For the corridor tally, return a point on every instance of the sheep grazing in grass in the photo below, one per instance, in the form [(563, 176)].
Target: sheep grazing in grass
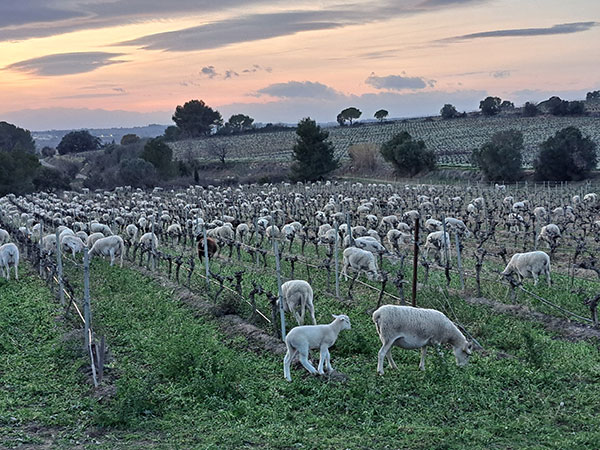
[(49, 243), (457, 226), (149, 239), (301, 339), (211, 246), (413, 328), (131, 231), (370, 244), (297, 294), (529, 264), (92, 238), (436, 241), (72, 243), (9, 254), (109, 246), (4, 237), (101, 228), (360, 260), (550, 234)]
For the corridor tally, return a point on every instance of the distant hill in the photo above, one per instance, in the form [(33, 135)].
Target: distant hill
[(453, 140), (52, 138)]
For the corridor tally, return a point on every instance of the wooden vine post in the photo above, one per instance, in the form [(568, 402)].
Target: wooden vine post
[(278, 269), (415, 263)]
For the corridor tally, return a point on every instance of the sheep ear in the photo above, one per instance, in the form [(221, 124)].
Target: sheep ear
[(334, 316)]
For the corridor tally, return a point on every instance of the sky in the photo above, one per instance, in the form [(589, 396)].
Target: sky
[(68, 64)]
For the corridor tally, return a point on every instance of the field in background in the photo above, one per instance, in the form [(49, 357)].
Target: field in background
[(453, 140)]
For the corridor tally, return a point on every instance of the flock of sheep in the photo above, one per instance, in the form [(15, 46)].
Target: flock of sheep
[(369, 221)]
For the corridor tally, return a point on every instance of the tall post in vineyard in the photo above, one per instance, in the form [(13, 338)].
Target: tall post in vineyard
[(205, 242), (415, 263), (87, 313), (59, 268), (280, 294), (41, 249), (335, 251)]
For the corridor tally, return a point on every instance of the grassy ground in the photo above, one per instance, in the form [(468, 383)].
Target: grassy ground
[(178, 383)]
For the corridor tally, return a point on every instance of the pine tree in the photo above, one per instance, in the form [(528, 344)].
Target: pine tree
[(313, 153)]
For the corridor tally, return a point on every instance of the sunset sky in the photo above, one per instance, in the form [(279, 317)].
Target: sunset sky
[(109, 63)]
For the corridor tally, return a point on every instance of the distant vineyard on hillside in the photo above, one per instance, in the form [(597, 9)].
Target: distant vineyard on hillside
[(452, 140)]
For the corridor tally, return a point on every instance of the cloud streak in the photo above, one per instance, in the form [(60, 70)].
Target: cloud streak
[(563, 28), (300, 89), (398, 82), (65, 63)]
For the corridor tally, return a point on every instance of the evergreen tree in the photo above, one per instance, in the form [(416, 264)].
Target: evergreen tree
[(408, 156), (566, 156), (160, 155), (313, 153), (501, 158)]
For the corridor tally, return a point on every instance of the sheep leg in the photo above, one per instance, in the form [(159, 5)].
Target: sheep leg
[(383, 351), (305, 362), (299, 319), (16, 271), (324, 354), (391, 361), (287, 360), (535, 278), (312, 313), (328, 362), (112, 256), (423, 352)]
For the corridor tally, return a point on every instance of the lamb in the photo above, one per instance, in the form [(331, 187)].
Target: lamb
[(9, 254), (49, 243), (360, 260), (549, 234), (302, 338), (111, 245), (298, 293), (530, 263), (241, 231), (412, 328), (433, 225), (397, 238), (458, 226)]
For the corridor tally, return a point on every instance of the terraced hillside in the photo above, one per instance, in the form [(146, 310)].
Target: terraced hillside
[(452, 140)]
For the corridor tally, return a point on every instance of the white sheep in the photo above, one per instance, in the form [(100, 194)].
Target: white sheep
[(529, 264), (436, 241), (302, 338), (4, 237), (109, 246), (49, 243), (92, 238), (131, 231), (297, 294), (9, 254), (457, 226), (370, 244), (397, 238), (101, 228), (149, 239), (413, 328), (73, 243), (433, 225), (360, 260), (549, 234)]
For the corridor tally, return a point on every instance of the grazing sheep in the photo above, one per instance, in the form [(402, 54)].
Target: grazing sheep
[(591, 198), (73, 243), (131, 231), (92, 238), (241, 231), (370, 244), (397, 238), (301, 339), (211, 247), (412, 328), (49, 243), (433, 225), (298, 294), (436, 241), (458, 226), (4, 237), (550, 234), (82, 235), (101, 228), (529, 264), (149, 239), (9, 254), (108, 246), (174, 230), (360, 260)]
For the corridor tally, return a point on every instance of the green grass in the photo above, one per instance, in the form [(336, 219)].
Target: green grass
[(181, 384)]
